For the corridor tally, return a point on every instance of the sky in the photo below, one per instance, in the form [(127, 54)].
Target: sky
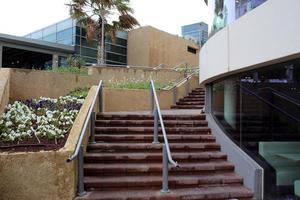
[(24, 16)]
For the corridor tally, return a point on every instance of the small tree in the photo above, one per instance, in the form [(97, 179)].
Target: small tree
[(94, 13)]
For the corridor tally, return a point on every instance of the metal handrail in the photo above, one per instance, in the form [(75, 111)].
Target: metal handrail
[(282, 95), (162, 124), (269, 103), (185, 63), (167, 156), (185, 79), (79, 150)]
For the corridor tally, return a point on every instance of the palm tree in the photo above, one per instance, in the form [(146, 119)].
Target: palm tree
[(94, 14)]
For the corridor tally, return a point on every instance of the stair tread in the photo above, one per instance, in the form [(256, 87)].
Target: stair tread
[(201, 193), (225, 177), (137, 156), (148, 146), (144, 167)]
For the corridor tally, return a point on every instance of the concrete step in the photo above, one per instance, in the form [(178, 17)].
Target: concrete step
[(148, 147), (109, 138), (148, 117), (147, 123), (191, 99), (187, 107), (154, 181), (152, 157), (199, 193), (135, 169), (169, 130), (200, 103)]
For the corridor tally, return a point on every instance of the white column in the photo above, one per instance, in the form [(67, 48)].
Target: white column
[(230, 101), (54, 61), (1, 53)]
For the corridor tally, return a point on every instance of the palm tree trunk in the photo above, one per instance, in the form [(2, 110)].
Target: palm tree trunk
[(101, 45)]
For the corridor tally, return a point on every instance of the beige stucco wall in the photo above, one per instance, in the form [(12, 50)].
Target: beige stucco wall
[(253, 41), (4, 88), (55, 84), (137, 73), (148, 46), (43, 175)]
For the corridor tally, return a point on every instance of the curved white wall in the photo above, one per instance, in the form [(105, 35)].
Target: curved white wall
[(270, 33)]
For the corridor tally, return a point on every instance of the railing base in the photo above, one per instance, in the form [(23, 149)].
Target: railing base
[(82, 194), (155, 142), (164, 191), (92, 142)]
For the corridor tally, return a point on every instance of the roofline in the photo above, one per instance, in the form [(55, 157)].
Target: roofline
[(36, 43)]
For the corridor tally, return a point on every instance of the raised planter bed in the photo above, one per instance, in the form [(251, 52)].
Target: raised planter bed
[(38, 124)]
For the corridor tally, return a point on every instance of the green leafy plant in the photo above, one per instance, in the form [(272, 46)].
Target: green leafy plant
[(80, 92), (73, 61), (71, 70)]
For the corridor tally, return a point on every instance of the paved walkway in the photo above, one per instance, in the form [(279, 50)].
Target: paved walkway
[(164, 112)]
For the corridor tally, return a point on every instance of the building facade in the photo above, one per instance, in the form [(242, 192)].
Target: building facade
[(197, 32), (251, 71), (69, 32), (224, 12), (148, 46)]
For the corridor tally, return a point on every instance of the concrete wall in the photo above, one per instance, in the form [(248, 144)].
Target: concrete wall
[(138, 73), (148, 46), (43, 175), (4, 88), (50, 84), (266, 35), (245, 166)]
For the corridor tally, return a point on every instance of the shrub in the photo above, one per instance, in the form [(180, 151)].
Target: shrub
[(80, 92)]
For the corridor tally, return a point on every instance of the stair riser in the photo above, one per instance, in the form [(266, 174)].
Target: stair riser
[(150, 130), (151, 133), (149, 117), (195, 103), (153, 172), (156, 185), (192, 100), (149, 124), (124, 150), (186, 107), (149, 138)]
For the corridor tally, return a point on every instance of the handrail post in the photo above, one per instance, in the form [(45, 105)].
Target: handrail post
[(155, 130), (151, 99), (165, 171), (174, 95), (92, 121), (80, 186), (187, 87), (101, 99)]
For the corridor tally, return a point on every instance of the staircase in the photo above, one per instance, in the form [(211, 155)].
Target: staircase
[(124, 164), (195, 100)]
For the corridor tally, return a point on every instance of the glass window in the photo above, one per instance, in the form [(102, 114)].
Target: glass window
[(260, 110), (88, 52), (37, 35), (116, 49), (50, 38), (115, 57), (68, 41), (49, 30), (65, 25), (65, 34)]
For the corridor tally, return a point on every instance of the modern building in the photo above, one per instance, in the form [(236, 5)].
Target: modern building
[(70, 32), (251, 72), (148, 46), (197, 32), (20, 52)]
